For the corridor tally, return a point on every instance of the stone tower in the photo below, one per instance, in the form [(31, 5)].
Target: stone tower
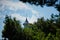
[(26, 23)]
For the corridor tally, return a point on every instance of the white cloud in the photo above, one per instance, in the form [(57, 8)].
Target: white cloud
[(22, 18), (13, 5), (18, 16), (17, 5), (33, 19)]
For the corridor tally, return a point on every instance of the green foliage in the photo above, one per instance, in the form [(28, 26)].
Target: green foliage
[(11, 28), (58, 7), (41, 2), (41, 30)]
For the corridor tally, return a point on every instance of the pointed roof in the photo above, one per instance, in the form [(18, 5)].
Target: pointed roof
[(26, 22)]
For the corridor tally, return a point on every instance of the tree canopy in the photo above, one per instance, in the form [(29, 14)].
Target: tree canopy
[(41, 30), (41, 2)]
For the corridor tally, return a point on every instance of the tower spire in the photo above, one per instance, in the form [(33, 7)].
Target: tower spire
[(26, 22)]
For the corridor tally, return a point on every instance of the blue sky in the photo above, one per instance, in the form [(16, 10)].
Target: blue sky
[(21, 10)]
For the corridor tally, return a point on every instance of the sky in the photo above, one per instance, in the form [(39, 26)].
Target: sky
[(20, 10)]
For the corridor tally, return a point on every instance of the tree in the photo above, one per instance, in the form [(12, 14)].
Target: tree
[(41, 2), (58, 7), (12, 27)]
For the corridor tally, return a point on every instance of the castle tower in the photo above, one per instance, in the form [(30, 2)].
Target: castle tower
[(26, 23)]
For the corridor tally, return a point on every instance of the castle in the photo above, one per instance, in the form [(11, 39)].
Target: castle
[(26, 23)]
